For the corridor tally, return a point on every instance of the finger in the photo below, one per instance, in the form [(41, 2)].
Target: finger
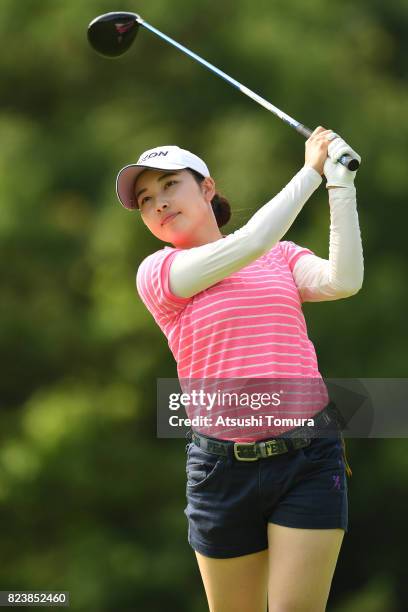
[(336, 150), (326, 136), (340, 144), (318, 130), (332, 136), (323, 135), (340, 149), (335, 144)]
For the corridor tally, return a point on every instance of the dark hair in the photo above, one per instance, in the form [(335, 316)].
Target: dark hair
[(220, 205)]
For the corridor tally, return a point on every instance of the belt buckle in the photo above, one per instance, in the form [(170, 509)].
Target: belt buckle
[(244, 458)]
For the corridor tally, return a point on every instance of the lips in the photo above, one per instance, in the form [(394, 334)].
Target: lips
[(169, 218)]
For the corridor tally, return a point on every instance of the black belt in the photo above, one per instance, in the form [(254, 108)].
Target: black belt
[(294, 439)]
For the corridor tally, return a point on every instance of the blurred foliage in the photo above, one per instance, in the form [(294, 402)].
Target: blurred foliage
[(90, 500)]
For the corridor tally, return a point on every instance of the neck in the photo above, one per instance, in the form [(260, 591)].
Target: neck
[(204, 236)]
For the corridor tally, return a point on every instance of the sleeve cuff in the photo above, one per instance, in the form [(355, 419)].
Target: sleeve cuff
[(342, 193), (313, 174)]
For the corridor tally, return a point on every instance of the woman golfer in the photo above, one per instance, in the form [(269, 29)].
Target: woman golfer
[(266, 513)]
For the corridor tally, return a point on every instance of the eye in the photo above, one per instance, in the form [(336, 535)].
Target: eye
[(170, 183), (144, 200)]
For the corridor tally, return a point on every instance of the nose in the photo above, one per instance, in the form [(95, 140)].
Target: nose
[(161, 204)]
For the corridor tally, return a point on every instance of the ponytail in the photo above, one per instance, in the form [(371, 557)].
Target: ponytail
[(220, 205)]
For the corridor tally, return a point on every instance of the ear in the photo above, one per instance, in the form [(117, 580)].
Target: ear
[(208, 188)]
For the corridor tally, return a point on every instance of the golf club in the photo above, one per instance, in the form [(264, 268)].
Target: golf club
[(112, 34)]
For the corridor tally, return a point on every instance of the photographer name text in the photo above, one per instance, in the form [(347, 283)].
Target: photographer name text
[(251, 421)]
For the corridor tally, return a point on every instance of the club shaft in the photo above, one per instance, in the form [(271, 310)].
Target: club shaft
[(346, 160), (248, 92)]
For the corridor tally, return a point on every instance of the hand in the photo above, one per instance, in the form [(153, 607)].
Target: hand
[(338, 175), (316, 148)]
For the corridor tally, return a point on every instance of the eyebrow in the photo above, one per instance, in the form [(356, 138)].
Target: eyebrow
[(163, 176)]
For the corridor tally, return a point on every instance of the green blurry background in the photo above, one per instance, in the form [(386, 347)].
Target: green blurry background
[(85, 505)]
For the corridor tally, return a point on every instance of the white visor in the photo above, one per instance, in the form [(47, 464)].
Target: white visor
[(162, 158)]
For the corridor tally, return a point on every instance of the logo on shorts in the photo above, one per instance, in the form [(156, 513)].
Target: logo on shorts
[(336, 481)]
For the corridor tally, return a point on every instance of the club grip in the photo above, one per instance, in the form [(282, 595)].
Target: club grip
[(349, 162)]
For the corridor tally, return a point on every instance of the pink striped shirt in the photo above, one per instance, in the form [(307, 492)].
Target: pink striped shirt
[(249, 325)]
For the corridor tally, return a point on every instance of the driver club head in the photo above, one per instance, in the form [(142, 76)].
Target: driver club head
[(112, 34)]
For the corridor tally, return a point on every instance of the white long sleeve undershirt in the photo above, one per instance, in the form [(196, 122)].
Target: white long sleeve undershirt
[(198, 268), (342, 274)]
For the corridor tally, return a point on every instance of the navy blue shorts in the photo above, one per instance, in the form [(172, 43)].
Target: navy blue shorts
[(231, 502)]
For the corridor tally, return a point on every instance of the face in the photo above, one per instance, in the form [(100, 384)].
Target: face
[(175, 208)]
